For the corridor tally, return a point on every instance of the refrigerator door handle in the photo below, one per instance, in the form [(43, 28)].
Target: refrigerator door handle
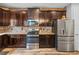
[(76, 34), (63, 31)]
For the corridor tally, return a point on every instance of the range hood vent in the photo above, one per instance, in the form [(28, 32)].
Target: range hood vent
[(33, 13)]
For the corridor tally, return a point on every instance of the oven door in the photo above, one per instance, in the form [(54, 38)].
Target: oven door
[(32, 42), (32, 39)]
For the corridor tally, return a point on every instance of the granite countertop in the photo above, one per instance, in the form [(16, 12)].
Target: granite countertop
[(12, 33), (2, 34), (20, 31), (43, 33)]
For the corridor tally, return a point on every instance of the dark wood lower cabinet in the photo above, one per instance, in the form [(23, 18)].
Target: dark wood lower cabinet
[(1, 44), (0, 41), (17, 41), (46, 41), (4, 41), (12, 41)]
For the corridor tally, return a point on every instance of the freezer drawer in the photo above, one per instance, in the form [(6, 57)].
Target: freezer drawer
[(66, 39), (65, 44)]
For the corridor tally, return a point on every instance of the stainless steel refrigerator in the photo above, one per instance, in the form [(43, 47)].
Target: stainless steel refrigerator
[(65, 35)]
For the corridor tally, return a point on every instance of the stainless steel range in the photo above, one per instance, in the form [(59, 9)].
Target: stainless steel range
[(32, 37)]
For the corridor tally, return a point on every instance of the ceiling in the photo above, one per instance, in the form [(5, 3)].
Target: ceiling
[(34, 5)]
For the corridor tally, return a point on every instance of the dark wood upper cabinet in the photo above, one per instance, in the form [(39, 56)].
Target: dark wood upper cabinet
[(4, 17), (1, 17), (60, 14), (47, 19), (51, 16), (21, 17)]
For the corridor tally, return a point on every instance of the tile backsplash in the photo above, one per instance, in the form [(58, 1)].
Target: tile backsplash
[(4, 29), (45, 29), (16, 29)]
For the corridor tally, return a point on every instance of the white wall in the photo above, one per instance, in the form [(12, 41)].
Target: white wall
[(73, 14)]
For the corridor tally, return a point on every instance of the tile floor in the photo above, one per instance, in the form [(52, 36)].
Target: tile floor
[(40, 51)]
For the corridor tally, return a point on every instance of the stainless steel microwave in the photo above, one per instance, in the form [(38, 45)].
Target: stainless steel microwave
[(31, 22)]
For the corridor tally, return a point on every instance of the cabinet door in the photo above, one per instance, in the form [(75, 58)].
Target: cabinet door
[(5, 18), (5, 40), (1, 17), (17, 41), (46, 41), (20, 17), (42, 41), (0, 42)]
